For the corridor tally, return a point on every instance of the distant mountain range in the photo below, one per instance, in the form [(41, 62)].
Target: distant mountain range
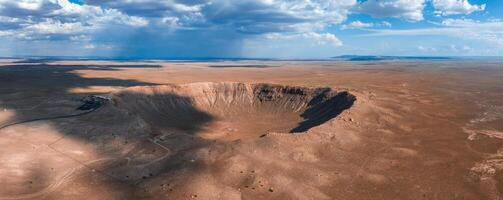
[(378, 58)]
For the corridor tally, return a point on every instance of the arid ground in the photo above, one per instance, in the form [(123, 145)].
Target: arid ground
[(251, 130)]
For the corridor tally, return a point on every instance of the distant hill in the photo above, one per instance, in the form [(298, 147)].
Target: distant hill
[(378, 58)]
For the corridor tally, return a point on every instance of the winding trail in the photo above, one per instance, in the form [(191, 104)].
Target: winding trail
[(48, 118)]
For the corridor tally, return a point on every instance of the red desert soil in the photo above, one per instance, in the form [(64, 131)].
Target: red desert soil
[(251, 130)]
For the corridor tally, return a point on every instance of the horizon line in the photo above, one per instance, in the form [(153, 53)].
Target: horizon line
[(344, 57)]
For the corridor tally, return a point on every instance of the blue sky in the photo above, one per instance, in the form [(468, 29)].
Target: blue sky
[(250, 28)]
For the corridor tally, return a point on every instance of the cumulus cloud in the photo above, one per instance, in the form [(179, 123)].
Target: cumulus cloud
[(453, 7), (151, 8), (246, 16), (51, 26), (357, 25), (5, 33), (49, 19), (411, 10), (362, 25), (172, 24)]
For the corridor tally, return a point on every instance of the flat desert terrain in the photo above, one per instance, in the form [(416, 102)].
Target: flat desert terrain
[(251, 130)]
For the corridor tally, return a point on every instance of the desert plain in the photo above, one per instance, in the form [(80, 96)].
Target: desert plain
[(251, 130)]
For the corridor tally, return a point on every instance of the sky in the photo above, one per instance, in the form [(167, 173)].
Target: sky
[(301, 29)]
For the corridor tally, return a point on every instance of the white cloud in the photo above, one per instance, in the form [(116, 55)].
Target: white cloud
[(488, 31), (96, 15), (246, 16), (311, 37), (323, 38), (216, 21), (459, 22), (328, 11), (357, 25), (386, 24), (43, 19), (411, 10), (9, 19), (30, 5), (5, 33), (292, 45), (453, 7), (363, 25), (54, 27)]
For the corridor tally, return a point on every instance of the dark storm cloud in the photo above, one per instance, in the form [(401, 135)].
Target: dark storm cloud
[(246, 16)]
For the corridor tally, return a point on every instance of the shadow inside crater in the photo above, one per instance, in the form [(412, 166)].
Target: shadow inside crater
[(164, 111), (321, 111)]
